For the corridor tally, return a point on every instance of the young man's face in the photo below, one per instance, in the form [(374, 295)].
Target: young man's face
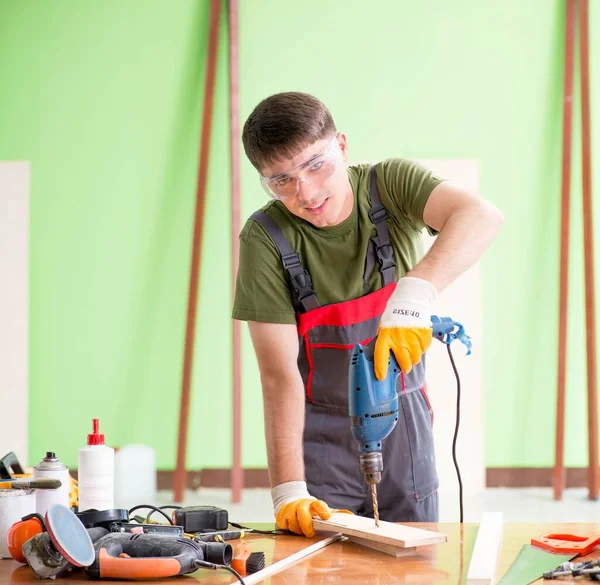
[(314, 184)]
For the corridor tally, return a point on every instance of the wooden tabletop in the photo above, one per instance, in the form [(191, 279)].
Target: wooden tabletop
[(349, 563)]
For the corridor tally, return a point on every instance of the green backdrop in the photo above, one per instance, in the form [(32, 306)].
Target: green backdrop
[(105, 100)]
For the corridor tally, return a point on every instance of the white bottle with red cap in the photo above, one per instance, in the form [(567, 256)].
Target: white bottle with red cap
[(96, 473)]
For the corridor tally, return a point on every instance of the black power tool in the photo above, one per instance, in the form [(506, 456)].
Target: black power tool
[(151, 556)]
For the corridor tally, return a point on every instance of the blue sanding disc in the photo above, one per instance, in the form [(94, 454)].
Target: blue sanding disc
[(69, 536)]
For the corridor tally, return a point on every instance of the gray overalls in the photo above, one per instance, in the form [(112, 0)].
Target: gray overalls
[(408, 488)]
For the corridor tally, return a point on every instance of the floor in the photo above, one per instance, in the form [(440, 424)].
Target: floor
[(517, 505)]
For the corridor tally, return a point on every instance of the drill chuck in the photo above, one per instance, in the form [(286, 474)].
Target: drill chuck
[(371, 464)]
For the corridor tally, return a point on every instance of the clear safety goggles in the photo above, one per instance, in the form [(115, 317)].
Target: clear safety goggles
[(314, 171)]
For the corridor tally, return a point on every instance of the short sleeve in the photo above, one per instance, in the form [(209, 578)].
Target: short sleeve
[(408, 186), (262, 291)]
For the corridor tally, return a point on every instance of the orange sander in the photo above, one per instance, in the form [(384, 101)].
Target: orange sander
[(64, 546)]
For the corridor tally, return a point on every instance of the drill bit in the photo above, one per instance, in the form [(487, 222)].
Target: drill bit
[(375, 503)]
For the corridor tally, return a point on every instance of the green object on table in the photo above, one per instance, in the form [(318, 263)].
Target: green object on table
[(531, 563)]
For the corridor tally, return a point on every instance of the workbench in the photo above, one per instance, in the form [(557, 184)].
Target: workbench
[(348, 563)]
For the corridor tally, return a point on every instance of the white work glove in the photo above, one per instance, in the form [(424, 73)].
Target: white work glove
[(295, 507), (405, 326)]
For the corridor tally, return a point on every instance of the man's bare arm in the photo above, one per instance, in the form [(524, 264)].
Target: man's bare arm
[(467, 225), (276, 347)]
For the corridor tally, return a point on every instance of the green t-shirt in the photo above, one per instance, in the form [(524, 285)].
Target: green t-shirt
[(334, 256)]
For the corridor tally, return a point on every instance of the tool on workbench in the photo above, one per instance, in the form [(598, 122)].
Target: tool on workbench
[(163, 529), (218, 535), (590, 569), (567, 543), (373, 404), (26, 483), (103, 518), (68, 545), (118, 520), (65, 546), (545, 554), (246, 562), (10, 466), (150, 556), (258, 530), (198, 518), (209, 520)]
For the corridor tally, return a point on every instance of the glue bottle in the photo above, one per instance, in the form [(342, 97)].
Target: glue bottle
[(96, 472)]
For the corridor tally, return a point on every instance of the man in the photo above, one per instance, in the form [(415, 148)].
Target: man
[(334, 260)]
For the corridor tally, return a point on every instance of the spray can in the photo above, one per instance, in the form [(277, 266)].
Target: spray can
[(96, 470), (52, 466)]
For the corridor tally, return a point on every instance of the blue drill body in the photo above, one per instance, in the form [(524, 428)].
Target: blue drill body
[(373, 404)]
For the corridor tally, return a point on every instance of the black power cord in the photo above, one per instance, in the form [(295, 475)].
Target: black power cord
[(214, 567), (161, 508), (460, 485), (153, 508)]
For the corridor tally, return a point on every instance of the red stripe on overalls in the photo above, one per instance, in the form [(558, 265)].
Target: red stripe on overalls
[(346, 313), (426, 396), (341, 315)]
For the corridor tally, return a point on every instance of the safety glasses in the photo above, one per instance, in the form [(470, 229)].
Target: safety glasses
[(314, 171)]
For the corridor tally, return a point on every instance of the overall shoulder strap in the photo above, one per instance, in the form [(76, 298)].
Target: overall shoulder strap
[(304, 296), (379, 215)]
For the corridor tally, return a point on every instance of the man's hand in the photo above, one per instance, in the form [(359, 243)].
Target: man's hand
[(295, 508), (405, 326)]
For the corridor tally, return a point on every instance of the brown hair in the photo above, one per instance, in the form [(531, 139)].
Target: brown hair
[(282, 125)]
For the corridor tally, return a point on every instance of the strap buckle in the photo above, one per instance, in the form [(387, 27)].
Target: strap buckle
[(291, 260), (385, 255), (302, 285), (378, 215)]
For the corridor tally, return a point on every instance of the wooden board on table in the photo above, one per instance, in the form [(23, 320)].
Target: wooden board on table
[(398, 535), (482, 568), (388, 549)]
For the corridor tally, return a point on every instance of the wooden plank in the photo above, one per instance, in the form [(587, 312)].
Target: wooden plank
[(288, 561), (196, 254), (565, 231), (588, 250), (395, 551), (237, 472), (398, 535), (482, 568)]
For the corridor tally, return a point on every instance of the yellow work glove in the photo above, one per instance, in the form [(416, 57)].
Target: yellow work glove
[(295, 508), (405, 326), (297, 516)]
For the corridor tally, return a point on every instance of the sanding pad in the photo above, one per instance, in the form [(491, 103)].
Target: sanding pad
[(69, 536)]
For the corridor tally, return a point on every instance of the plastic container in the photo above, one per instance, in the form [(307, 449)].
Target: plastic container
[(135, 476), (96, 473), (14, 504), (52, 466)]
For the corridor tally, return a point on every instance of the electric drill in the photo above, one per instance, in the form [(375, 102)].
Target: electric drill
[(373, 404)]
